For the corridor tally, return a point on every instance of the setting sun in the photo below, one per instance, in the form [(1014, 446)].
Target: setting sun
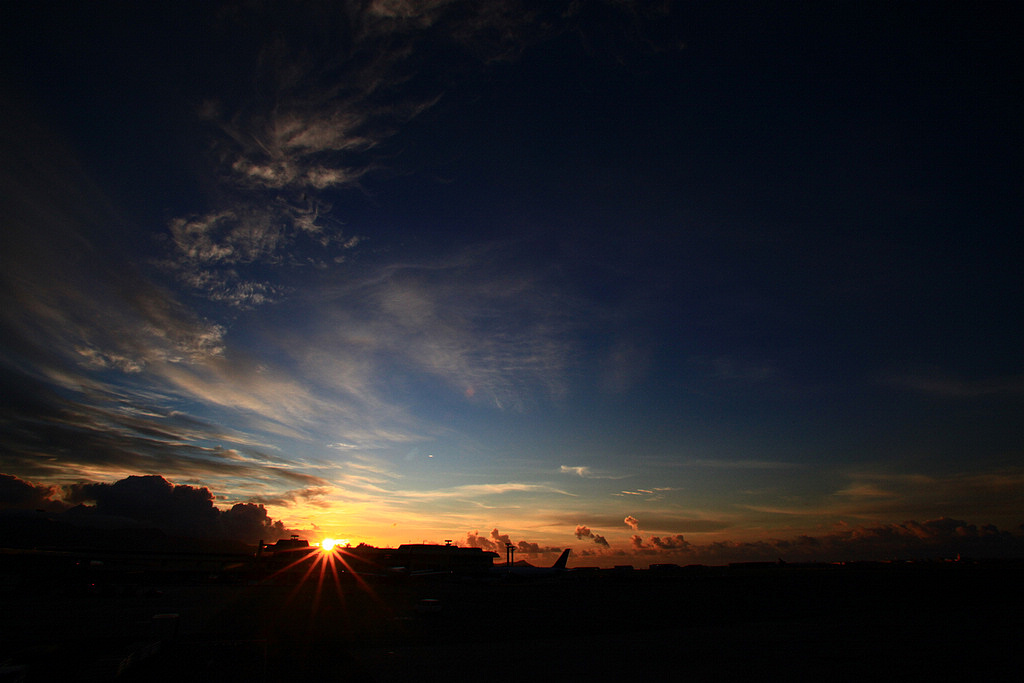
[(330, 543)]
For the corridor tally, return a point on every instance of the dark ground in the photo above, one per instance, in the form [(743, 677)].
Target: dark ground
[(927, 621)]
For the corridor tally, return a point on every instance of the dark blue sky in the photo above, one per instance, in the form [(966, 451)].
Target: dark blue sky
[(411, 270)]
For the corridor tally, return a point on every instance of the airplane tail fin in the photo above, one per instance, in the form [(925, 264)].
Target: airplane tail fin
[(562, 559)]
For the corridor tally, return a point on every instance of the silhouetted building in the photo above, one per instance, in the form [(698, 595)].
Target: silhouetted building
[(422, 557), (287, 545)]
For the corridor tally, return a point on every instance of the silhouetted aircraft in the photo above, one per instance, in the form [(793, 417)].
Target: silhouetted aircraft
[(527, 571)]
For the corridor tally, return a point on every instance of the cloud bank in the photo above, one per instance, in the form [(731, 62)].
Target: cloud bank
[(939, 538), (497, 542), (144, 502)]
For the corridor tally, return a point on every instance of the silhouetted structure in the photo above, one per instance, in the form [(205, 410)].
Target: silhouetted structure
[(422, 557), (286, 545)]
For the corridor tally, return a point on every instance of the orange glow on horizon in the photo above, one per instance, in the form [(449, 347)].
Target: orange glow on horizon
[(329, 544), (320, 565)]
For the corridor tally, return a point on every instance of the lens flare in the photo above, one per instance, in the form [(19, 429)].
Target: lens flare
[(328, 544)]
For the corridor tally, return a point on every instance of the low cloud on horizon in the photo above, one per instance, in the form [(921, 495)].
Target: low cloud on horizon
[(144, 501), (153, 501)]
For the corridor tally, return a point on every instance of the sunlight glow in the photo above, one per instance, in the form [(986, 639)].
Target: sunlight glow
[(329, 544), (328, 564)]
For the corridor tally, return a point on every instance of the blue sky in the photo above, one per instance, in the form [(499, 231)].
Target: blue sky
[(584, 275)]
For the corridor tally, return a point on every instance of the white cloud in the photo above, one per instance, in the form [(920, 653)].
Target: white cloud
[(586, 472), (478, 490)]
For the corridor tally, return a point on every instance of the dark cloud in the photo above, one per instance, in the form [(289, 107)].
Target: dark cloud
[(249, 522), (676, 542), (500, 539), (475, 540), (938, 538), (497, 541), (174, 508), (17, 494), (151, 499), (583, 531), (312, 494)]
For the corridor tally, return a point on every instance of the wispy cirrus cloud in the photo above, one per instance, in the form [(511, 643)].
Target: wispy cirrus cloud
[(585, 472), (470, 491), (333, 86), (102, 434), (469, 324), (90, 342), (77, 301), (314, 495), (582, 471), (654, 493)]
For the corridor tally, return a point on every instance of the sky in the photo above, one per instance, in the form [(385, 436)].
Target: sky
[(657, 281)]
